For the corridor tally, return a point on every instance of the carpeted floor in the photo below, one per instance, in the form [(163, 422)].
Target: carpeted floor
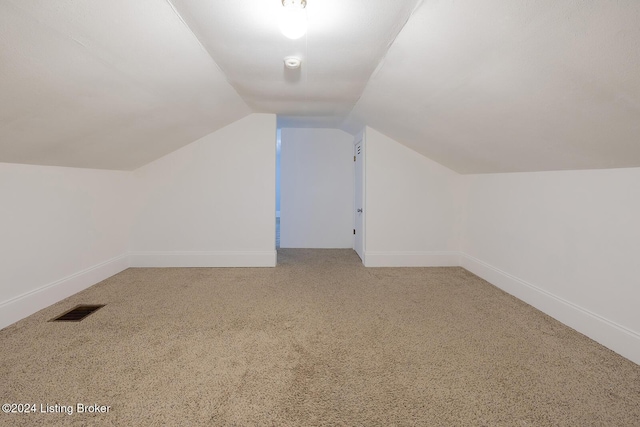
[(317, 341)]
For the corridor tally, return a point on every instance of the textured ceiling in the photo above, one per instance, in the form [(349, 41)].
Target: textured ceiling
[(491, 86)]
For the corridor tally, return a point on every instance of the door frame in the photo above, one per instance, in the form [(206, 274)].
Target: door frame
[(360, 138)]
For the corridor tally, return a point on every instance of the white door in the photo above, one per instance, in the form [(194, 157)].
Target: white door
[(316, 180), (358, 242)]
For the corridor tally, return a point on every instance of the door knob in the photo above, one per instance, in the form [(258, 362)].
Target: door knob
[(359, 210)]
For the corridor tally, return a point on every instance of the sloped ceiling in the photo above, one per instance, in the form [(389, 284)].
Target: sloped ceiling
[(104, 84), (507, 86), (490, 86)]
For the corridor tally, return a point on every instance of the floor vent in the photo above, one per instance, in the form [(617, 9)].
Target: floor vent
[(77, 313)]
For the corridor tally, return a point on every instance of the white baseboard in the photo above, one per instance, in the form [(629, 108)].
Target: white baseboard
[(606, 332), (412, 259), (28, 303), (203, 259)]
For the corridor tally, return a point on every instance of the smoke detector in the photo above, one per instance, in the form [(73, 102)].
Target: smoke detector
[(292, 62)]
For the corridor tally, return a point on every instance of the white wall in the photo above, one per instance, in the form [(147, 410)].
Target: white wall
[(212, 202), (62, 230), (566, 242), (316, 206), (411, 206)]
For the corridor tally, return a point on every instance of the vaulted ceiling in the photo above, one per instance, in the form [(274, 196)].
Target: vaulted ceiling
[(490, 86)]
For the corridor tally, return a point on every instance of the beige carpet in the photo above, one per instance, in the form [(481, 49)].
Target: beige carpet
[(318, 341)]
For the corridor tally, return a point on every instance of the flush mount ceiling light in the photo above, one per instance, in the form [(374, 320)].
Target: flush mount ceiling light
[(293, 21), (292, 62)]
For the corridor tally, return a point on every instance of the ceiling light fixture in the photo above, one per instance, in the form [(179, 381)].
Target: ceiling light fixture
[(293, 22)]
